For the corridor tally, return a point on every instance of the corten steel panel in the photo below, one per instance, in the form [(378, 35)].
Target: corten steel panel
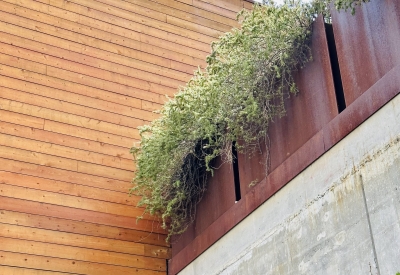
[(249, 202), (178, 242), (306, 113), (218, 198), (365, 105), (373, 99), (367, 44), (252, 167)]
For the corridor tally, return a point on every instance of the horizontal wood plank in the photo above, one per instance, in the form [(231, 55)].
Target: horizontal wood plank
[(63, 151), (193, 26), (113, 16), (140, 109), (80, 254), (105, 53), (123, 87), (12, 270), (56, 104), (233, 5), (80, 33), (214, 9), (127, 28), (21, 119), (30, 131), (30, 156), (61, 212), (139, 15), (69, 119), (96, 205), (191, 8), (16, 61), (70, 239), (37, 158), (88, 55), (76, 190), (46, 55), (82, 228), (178, 10), (89, 134), (121, 95), (192, 23), (107, 172), (70, 266), (47, 172)]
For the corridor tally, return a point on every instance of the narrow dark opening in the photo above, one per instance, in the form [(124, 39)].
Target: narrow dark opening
[(236, 172), (337, 78)]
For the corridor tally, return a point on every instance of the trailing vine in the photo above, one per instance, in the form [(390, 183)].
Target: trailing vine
[(249, 74)]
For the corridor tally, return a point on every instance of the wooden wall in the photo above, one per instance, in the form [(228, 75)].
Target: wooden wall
[(76, 79)]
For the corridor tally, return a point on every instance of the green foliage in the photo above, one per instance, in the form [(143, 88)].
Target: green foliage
[(349, 4), (249, 74)]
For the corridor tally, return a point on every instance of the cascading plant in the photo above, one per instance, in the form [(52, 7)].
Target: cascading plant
[(249, 74)]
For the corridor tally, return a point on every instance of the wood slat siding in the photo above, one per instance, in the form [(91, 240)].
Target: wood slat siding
[(76, 80)]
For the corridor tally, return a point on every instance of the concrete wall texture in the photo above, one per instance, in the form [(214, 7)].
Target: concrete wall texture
[(341, 215)]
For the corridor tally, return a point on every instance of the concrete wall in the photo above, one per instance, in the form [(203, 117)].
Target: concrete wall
[(339, 216)]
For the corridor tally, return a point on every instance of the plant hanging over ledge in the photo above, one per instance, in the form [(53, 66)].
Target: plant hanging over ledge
[(241, 91)]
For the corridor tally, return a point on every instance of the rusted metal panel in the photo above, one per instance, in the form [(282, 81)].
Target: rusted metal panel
[(365, 105), (218, 198), (312, 108), (249, 202), (307, 112), (378, 95), (367, 44), (252, 167), (311, 126), (178, 242)]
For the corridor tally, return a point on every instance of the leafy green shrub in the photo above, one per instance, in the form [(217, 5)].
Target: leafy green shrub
[(249, 74), (349, 4)]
